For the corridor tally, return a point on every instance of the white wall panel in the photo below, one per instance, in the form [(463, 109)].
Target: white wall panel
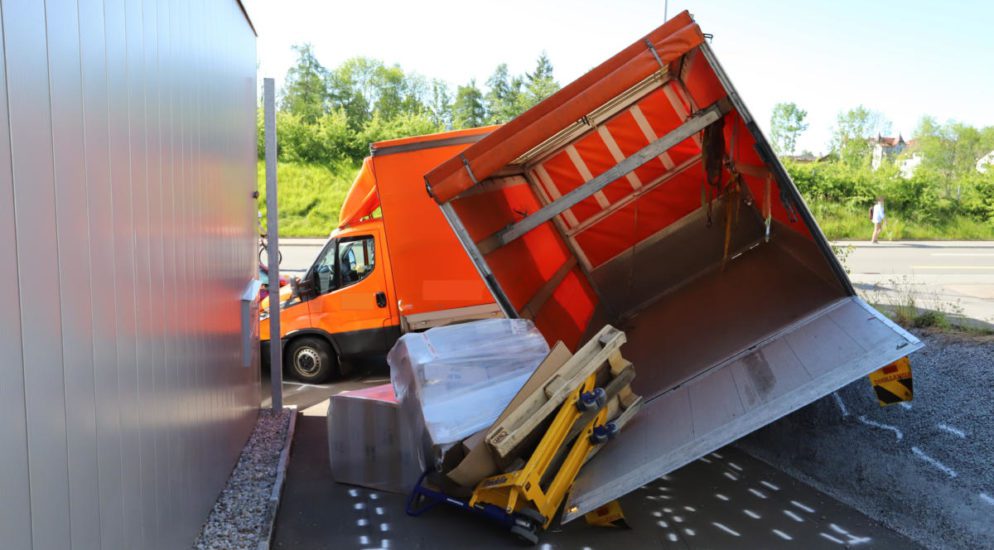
[(127, 219)]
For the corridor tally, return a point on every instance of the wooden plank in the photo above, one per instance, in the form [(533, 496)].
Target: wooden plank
[(689, 128), (505, 435)]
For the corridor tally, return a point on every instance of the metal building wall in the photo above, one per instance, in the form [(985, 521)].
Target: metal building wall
[(127, 230)]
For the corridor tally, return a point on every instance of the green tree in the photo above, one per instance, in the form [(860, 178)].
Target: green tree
[(852, 131), (304, 91), (786, 125), (503, 99), (440, 105), (468, 110), (351, 87), (539, 84)]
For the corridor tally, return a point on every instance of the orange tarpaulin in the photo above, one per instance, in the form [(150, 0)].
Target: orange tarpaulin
[(362, 199)]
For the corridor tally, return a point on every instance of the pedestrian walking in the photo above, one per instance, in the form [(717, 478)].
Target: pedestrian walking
[(877, 217)]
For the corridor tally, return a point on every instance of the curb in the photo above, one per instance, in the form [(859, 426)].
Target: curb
[(269, 525)]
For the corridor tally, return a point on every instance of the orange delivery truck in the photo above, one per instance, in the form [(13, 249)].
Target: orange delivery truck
[(391, 265)]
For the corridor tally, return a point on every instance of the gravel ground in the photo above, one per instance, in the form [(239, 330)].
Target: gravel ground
[(240, 515), (926, 468)]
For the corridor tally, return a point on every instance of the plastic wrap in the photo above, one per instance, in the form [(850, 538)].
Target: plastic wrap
[(454, 381)]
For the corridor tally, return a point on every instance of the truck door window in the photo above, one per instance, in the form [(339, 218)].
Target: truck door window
[(324, 270), (356, 260)]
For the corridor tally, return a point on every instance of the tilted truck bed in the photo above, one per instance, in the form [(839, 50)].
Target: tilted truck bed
[(644, 195)]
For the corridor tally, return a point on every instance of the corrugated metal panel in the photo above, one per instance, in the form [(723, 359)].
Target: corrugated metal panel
[(127, 219), (15, 513)]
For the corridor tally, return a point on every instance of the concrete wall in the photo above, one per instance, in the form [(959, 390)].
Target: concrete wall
[(127, 163)]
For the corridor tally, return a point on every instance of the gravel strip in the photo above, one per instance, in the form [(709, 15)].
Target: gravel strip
[(925, 468), (241, 514)]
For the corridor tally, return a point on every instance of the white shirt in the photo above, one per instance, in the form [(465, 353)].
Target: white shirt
[(878, 213)]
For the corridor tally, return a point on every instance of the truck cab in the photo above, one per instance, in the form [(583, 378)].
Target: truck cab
[(392, 265)]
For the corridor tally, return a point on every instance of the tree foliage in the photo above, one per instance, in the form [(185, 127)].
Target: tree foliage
[(786, 125), (332, 115), (853, 129)]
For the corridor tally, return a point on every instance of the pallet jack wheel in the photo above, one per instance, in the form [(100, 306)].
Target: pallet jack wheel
[(535, 516)]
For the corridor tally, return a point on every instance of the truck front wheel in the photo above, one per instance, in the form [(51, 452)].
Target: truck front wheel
[(310, 359)]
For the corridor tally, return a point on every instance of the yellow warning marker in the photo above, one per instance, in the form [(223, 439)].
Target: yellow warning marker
[(609, 515), (893, 383)]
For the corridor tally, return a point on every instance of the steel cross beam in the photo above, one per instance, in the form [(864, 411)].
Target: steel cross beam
[(694, 124)]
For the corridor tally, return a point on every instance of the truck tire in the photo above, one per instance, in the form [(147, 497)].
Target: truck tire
[(310, 359)]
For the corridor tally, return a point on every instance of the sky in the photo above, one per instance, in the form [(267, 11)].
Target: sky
[(903, 59)]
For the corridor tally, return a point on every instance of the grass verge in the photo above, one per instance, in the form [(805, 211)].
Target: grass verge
[(310, 196), (844, 222)]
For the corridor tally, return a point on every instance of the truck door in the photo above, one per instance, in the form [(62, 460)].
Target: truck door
[(352, 295)]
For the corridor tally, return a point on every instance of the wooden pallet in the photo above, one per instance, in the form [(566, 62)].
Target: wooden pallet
[(505, 437)]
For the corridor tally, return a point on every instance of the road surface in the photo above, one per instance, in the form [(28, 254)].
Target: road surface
[(955, 277)]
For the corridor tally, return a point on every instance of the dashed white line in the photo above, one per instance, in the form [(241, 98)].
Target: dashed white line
[(888, 427), (987, 498), (353, 493), (658, 514), (384, 527), (731, 476), (716, 455), (807, 509), (735, 466), (842, 405), (678, 519), (379, 510), (757, 492), (689, 532), (363, 540), (720, 496), (751, 514), (690, 508), (793, 516), (938, 465), (662, 524), (769, 485), (672, 537), (359, 505), (953, 430), (704, 460), (831, 538), (362, 522), (726, 529), (782, 535)]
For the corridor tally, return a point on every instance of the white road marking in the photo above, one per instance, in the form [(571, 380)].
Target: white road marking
[(374, 496), (726, 529), (678, 519), (751, 514), (888, 427), (842, 405), (362, 522), (704, 460), (353, 493), (665, 497), (363, 540), (662, 524), (379, 511), (689, 532), (668, 510), (546, 546), (690, 508), (987, 498), (735, 466), (658, 514), (905, 405), (731, 476), (793, 516), (720, 496), (769, 485), (940, 466), (850, 538), (976, 267), (672, 537), (807, 509), (757, 492), (384, 527), (953, 430), (782, 535), (359, 505), (716, 455), (962, 254), (831, 538)]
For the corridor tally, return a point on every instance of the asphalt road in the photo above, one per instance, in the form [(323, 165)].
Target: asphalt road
[(924, 467), (724, 500), (952, 276)]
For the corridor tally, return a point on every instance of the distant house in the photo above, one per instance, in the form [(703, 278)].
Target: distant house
[(886, 147), (985, 162), (803, 158)]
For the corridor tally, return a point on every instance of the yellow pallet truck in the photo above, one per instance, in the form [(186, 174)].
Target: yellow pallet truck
[(526, 499)]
